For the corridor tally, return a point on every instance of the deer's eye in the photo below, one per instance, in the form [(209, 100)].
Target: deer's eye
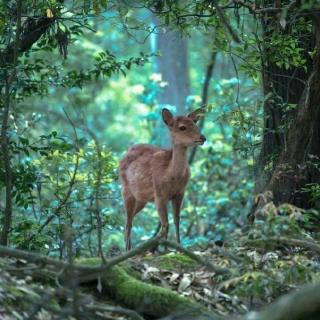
[(182, 128)]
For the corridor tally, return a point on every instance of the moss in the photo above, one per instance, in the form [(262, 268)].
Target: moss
[(135, 294), (93, 262), (173, 261)]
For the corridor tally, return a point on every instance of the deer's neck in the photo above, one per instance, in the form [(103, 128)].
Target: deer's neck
[(179, 161)]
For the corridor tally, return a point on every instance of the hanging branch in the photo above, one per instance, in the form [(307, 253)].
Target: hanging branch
[(225, 21), (205, 96)]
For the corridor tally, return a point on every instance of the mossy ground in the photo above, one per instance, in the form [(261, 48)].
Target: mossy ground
[(135, 294), (172, 261)]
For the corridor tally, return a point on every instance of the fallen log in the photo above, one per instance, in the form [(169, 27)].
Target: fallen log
[(145, 298), (301, 304)]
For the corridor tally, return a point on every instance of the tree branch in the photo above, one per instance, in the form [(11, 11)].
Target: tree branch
[(32, 30), (224, 21), (300, 304), (205, 97)]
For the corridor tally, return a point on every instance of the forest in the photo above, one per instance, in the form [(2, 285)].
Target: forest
[(160, 159)]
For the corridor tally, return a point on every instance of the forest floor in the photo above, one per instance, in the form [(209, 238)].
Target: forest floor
[(252, 270)]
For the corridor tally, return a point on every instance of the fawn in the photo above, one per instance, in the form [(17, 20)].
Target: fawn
[(152, 174)]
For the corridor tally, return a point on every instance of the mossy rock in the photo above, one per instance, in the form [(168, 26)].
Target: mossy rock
[(146, 298), (172, 261)]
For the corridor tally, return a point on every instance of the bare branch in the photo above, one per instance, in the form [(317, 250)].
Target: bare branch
[(225, 22)]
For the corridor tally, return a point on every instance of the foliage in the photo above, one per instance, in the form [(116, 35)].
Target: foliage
[(88, 87), (64, 164), (219, 193)]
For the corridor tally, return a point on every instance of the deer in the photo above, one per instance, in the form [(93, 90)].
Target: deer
[(152, 174)]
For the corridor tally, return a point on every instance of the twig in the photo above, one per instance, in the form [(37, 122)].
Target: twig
[(72, 182), (97, 209)]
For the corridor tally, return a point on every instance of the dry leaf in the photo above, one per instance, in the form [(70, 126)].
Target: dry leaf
[(174, 277), (185, 282), (49, 13), (149, 271), (207, 292)]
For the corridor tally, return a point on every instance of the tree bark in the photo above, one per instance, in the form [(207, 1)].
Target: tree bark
[(289, 151), (174, 66), (5, 150), (281, 87), (6, 158), (31, 32), (297, 305), (294, 168), (26, 35)]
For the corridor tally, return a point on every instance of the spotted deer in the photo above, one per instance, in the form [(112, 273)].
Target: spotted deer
[(152, 174)]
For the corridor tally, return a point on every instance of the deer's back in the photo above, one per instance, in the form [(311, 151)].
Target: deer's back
[(146, 167), (137, 169)]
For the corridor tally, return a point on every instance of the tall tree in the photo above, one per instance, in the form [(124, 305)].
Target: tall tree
[(283, 85), (291, 138), (298, 160), (174, 67)]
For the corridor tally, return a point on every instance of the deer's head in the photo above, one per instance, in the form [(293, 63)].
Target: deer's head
[(183, 129)]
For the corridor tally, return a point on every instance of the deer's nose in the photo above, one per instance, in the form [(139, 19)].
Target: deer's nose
[(203, 138)]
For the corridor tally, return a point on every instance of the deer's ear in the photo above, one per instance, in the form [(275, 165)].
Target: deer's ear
[(195, 115), (167, 117)]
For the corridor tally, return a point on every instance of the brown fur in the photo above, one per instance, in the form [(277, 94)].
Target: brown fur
[(152, 174)]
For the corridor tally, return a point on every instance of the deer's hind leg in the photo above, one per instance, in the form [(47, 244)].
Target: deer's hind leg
[(132, 207)]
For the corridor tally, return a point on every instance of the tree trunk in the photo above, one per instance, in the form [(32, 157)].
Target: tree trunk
[(280, 87), (295, 167), (26, 35), (288, 148), (5, 149), (6, 159), (173, 65)]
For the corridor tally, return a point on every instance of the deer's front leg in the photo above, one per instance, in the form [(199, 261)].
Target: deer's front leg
[(162, 208), (176, 205)]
